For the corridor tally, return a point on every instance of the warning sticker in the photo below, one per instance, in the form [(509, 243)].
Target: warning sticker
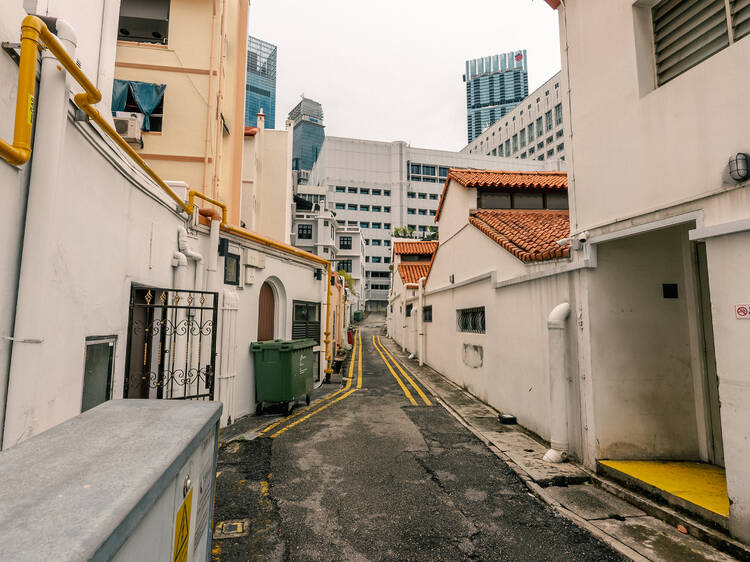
[(742, 311), (182, 530)]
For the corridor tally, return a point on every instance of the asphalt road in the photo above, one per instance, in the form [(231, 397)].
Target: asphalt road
[(368, 475)]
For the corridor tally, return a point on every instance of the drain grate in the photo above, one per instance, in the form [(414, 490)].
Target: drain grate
[(232, 528)]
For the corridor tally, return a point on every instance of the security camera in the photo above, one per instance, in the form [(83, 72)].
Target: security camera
[(583, 236)]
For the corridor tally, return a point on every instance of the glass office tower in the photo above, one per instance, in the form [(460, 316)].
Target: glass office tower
[(494, 86), (260, 90), (307, 118)]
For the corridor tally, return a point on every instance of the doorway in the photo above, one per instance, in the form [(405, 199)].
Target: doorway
[(266, 313), (711, 382)]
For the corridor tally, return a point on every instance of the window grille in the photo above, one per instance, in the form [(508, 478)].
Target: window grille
[(686, 32), (304, 231), (470, 320)]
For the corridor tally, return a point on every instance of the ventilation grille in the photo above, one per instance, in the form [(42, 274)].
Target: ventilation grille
[(740, 18), (687, 32)]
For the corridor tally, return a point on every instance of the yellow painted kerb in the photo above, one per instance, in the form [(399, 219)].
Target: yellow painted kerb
[(702, 484)]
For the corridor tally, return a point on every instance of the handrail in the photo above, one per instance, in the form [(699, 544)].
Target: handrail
[(34, 33)]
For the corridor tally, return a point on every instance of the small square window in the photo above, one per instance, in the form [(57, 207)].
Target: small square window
[(232, 268)]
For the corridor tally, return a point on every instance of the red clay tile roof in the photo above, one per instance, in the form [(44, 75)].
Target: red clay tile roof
[(503, 179), (420, 247), (412, 272), (528, 235)]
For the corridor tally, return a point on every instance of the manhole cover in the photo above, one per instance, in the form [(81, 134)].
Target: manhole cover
[(231, 529)]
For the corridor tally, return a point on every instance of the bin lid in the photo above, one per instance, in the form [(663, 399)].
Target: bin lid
[(282, 345)]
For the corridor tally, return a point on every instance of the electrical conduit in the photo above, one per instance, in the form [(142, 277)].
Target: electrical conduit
[(558, 384)]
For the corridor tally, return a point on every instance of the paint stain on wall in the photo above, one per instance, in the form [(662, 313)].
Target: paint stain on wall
[(473, 355)]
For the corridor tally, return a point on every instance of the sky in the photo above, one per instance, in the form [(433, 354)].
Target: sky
[(392, 70)]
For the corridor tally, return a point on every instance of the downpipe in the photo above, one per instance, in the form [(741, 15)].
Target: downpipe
[(405, 326), (183, 245), (420, 322), (558, 384)]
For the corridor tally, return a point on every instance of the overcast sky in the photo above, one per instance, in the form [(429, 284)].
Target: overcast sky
[(392, 69)]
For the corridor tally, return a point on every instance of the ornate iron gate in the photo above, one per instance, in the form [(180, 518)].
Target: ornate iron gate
[(171, 344)]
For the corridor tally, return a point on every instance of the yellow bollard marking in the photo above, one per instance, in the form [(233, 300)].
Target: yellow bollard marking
[(395, 376), (406, 376)]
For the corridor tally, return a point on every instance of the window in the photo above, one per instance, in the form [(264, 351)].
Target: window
[(232, 268), (703, 33), (422, 211), (364, 191), (304, 231), (364, 224), (550, 140), (376, 225), (386, 243), (367, 258), (559, 133), (494, 152), (507, 147), (144, 22), (561, 147), (428, 170), (515, 143), (387, 259), (387, 225), (531, 132), (145, 98), (548, 121), (97, 371), (345, 243), (558, 114), (416, 169), (422, 228), (387, 192), (340, 206), (376, 259), (531, 150), (540, 146), (409, 308), (377, 192), (340, 189), (352, 190), (306, 320), (500, 150), (422, 196), (523, 138), (550, 153), (386, 209), (427, 314), (433, 196), (367, 241), (364, 207), (470, 320), (443, 172), (539, 129), (523, 155), (411, 195), (411, 211), (345, 265), (376, 208), (352, 207), (376, 242), (433, 212)]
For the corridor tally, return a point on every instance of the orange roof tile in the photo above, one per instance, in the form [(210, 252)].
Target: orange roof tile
[(420, 247), (412, 272), (528, 235), (504, 179)]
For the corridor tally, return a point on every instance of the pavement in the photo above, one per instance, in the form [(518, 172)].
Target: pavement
[(397, 463)]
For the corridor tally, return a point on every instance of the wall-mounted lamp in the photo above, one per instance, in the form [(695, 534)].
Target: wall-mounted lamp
[(738, 166)]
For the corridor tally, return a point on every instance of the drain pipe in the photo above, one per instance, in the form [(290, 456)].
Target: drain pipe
[(405, 324), (184, 247), (558, 384), (31, 357), (420, 322), (212, 265)]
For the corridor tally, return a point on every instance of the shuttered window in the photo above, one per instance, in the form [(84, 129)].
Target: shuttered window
[(306, 321), (740, 18), (687, 32)]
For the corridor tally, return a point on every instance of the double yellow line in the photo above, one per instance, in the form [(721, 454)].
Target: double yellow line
[(320, 405), (381, 349)]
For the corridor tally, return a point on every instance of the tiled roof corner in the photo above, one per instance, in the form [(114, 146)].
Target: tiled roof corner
[(530, 235), (417, 247), (412, 272)]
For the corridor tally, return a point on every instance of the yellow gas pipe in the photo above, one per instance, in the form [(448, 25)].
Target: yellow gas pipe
[(34, 33)]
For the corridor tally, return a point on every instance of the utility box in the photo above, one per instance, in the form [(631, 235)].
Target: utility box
[(128, 480), (283, 371)]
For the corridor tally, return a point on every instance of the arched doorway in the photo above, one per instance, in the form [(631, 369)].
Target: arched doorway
[(266, 313)]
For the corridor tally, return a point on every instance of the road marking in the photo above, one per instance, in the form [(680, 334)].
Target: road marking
[(348, 391), (395, 376), (320, 400), (406, 376)]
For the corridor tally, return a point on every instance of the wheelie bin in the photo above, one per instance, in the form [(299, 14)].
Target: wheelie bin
[(283, 372)]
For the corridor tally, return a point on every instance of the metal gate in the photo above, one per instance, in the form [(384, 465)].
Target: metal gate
[(171, 344)]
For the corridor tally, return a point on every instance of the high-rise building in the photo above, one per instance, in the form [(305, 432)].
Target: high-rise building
[(307, 120), (533, 129), (494, 86), (260, 90), (383, 186)]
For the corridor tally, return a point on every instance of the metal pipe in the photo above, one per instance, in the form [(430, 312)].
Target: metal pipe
[(420, 321), (405, 325), (558, 384)]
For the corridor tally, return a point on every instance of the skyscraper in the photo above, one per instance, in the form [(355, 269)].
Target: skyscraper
[(260, 90), (307, 119), (494, 86)]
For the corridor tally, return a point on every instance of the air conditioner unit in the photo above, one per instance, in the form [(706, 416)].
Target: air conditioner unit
[(129, 128)]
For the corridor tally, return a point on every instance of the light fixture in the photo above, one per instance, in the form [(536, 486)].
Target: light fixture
[(738, 166)]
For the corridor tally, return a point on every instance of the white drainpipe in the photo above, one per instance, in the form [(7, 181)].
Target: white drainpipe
[(184, 247), (420, 322), (212, 281), (29, 360), (558, 384), (405, 325)]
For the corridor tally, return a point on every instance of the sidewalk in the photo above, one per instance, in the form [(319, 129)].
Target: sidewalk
[(587, 499)]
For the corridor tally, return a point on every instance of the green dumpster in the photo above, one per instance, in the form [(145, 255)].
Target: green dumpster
[(283, 371), (357, 315)]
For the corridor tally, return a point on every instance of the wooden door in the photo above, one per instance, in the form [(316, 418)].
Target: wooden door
[(266, 313)]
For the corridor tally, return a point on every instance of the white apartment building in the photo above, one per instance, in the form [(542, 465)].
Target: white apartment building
[(380, 186), (534, 129), (317, 231)]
